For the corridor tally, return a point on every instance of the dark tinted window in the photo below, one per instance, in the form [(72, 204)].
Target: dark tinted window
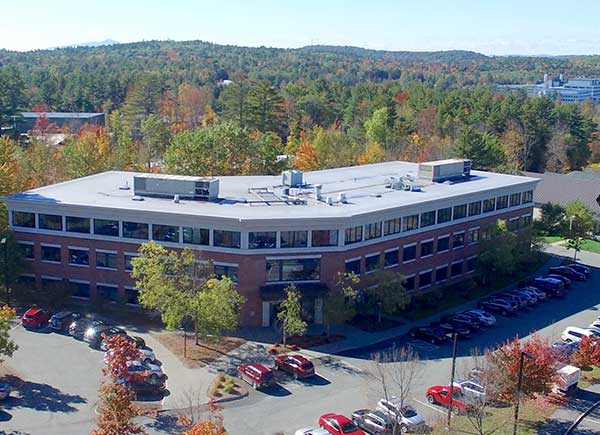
[(409, 283), (456, 269), (391, 258), (27, 250), (426, 248), (443, 244), (106, 260), (165, 233), (262, 240), (444, 215), (460, 211), (441, 274), (23, 219), (50, 222), (353, 235), (489, 205), (392, 226), (410, 222), (229, 271), (227, 239), (294, 239), (106, 227), (80, 257), (428, 219), (78, 224), (409, 253), (297, 269), (50, 253), (475, 208), (324, 238), (353, 266), (458, 240), (515, 199), (372, 231), (372, 263), (135, 230), (196, 236), (424, 279), (502, 202)]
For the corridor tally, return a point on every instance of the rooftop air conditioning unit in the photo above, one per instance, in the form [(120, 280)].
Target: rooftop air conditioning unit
[(444, 170), (170, 186), (292, 178)]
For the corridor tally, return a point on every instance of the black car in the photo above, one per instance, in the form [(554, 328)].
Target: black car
[(579, 268), (518, 301), (452, 328), (138, 342), (551, 287), (428, 333), (61, 321), (95, 336), (147, 388), (373, 421), (568, 271), (498, 306), (463, 320), (566, 281), (79, 327)]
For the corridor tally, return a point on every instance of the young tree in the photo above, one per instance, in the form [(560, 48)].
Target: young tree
[(265, 107), (340, 303), (587, 353), (386, 292), (497, 253), (7, 345), (552, 219), (306, 157), (290, 315), (217, 307), (213, 425), (581, 223), (155, 138), (88, 153), (116, 412), (120, 350)]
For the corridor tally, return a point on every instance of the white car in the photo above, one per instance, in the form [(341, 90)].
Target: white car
[(151, 371), (573, 334), (402, 414), (595, 324), (471, 389), (311, 431), (484, 317)]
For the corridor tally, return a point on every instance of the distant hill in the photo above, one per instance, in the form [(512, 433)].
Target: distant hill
[(87, 44), (399, 56)]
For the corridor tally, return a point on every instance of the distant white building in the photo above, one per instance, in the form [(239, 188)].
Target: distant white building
[(575, 90)]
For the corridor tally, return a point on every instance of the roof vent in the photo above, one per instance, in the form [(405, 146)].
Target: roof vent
[(342, 198), (329, 200), (137, 198), (125, 186), (176, 199), (318, 188)]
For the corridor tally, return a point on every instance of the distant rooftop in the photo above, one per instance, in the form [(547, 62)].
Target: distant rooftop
[(56, 115), (366, 189)]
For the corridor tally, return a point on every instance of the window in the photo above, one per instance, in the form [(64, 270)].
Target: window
[(324, 238), (474, 235), (353, 235), (486, 233), (475, 208), (458, 240), (460, 211), (428, 218), (228, 270), (444, 215), (131, 295), (372, 263), (409, 253), (525, 221), (372, 231), (165, 233), (502, 202), (353, 266), (227, 239), (50, 222), (471, 264), (410, 223), (26, 281), (409, 283), (196, 236), (106, 227), (294, 239), (78, 224), (27, 250), (128, 265), (297, 269), (425, 279), (391, 258), (80, 289), (456, 269), (79, 257), (135, 230), (515, 199), (513, 224), (528, 197), (108, 292), (51, 253), (392, 226), (23, 219), (443, 244), (427, 248), (489, 205), (262, 240), (441, 274), (106, 260)]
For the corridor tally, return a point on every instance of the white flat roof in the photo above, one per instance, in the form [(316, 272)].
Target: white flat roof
[(365, 188)]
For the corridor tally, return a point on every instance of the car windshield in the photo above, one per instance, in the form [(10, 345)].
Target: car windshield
[(307, 366), (408, 412), (267, 376), (349, 427)]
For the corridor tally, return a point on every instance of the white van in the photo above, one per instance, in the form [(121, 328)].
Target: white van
[(575, 334)]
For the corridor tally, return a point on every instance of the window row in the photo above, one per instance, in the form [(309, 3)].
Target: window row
[(293, 239), (440, 274), (82, 289)]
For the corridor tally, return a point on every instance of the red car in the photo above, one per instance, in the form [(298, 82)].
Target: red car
[(337, 424), (296, 365), (440, 395), (256, 375), (35, 318)]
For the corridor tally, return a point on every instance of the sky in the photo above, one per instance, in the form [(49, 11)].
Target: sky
[(493, 27)]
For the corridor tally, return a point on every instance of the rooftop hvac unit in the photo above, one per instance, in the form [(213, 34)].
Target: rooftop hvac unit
[(292, 178), (176, 186), (444, 170)]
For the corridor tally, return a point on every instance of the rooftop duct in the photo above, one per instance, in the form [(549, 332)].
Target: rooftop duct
[(445, 170), (172, 186)]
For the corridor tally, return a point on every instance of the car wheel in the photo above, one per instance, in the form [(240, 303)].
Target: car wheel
[(503, 312), (455, 410), (147, 361), (154, 376), (431, 399), (403, 428)]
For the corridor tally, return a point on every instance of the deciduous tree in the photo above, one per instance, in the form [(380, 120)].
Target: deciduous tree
[(116, 412), (7, 345), (340, 304), (290, 315)]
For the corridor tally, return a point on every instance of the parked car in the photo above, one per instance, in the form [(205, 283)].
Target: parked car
[(4, 390), (530, 298), (79, 327), (568, 271), (580, 268), (101, 338), (452, 328), (337, 424), (296, 365), (137, 371), (311, 431), (541, 295), (428, 333), (61, 321), (35, 318), (564, 349), (407, 419), (575, 334), (93, 335), (138, 342), (146, 387), (256, 375), (374, 422), (551, 286), (485, 318), (440, 395), (566, 281), (499, 306), (463, 320), (471, 390), (520, 302)]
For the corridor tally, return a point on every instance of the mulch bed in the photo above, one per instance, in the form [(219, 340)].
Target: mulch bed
[(369, 323)]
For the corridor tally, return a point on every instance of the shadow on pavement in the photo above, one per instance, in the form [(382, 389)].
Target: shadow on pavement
[(41, 397), (336, 364), (556, 427), (276, 390), (583, 400), (166, 423)]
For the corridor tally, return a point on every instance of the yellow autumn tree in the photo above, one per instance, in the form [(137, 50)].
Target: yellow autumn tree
[(373, 153), (306, 157), (88, 153)]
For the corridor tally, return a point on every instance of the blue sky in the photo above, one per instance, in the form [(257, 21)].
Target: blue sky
[(486, 26)]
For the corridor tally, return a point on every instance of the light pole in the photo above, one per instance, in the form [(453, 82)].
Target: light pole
[(571, 218), (454, 348), (3, 242), (518, 392)]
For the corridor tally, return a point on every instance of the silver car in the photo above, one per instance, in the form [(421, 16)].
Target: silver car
[(405, 416)]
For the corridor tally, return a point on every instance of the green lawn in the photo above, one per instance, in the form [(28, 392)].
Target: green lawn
[(551, 239), (500, 420), (591, 246), (589, 376)]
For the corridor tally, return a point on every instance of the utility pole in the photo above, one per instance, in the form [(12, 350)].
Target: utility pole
[(519, 385), (4, 242), (451, 388)]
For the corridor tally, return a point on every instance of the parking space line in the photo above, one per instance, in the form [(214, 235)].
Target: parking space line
[(592, 420), (431, 406)]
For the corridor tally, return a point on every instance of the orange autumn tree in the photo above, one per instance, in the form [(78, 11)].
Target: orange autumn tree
[(306, 157), (213, 425), (587, 353)]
